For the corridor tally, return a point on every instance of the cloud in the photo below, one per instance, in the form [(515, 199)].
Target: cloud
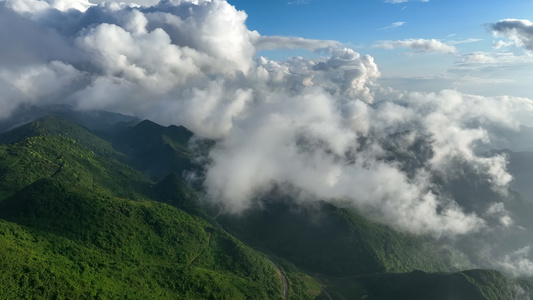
[(490, 58), (518, 263), (470, 40), (299, 2), (402, 1), (393, 25), (19, 47), (480, 58), (37, 84), (501, 44), (39, 6), (310, 140), (283, 42), (420, 45), (518, 31)]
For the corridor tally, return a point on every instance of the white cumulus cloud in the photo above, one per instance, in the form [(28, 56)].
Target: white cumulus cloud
[(518, 31)]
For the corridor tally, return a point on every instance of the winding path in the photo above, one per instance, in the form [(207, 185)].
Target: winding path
[(202, 251), (283, 278)]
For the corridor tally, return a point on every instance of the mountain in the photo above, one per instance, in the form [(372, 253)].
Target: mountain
[(333, 240), (418, 285), (94, 120), (54, 148), (154, 149), (104, 213), (52, 126), (76, 224), (62, 243)]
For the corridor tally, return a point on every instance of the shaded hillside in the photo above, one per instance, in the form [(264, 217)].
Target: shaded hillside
[(174, 191), (154, 149), (417, 285), (332, 240)]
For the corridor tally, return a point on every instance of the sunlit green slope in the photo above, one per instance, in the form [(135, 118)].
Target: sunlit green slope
[(76, 224)]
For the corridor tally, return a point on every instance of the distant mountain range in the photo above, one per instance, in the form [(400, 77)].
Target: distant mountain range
[(94, 206)]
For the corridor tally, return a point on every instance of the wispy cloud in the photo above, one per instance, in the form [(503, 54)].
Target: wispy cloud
[(470, 40), (299, 2), (393, 26), (420, 45), (402, 1), (487, 58), (284, 42)]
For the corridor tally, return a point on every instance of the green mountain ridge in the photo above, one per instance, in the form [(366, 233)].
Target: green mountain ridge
[(64, 194), (333, 240), (51, 126), (154, 149), (94, 120), (108, 216)]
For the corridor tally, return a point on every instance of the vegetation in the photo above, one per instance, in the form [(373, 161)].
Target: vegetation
[(333, 241), (77, 225), (472, 284), (109, 216), (68, 161), (154, 149), (73, 246), (51, 126)]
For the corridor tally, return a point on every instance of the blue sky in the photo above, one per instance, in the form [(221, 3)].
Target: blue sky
[(362, 25), (358, 22)]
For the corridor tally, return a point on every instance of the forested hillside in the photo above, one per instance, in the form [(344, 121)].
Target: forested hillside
[(107, 215)]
